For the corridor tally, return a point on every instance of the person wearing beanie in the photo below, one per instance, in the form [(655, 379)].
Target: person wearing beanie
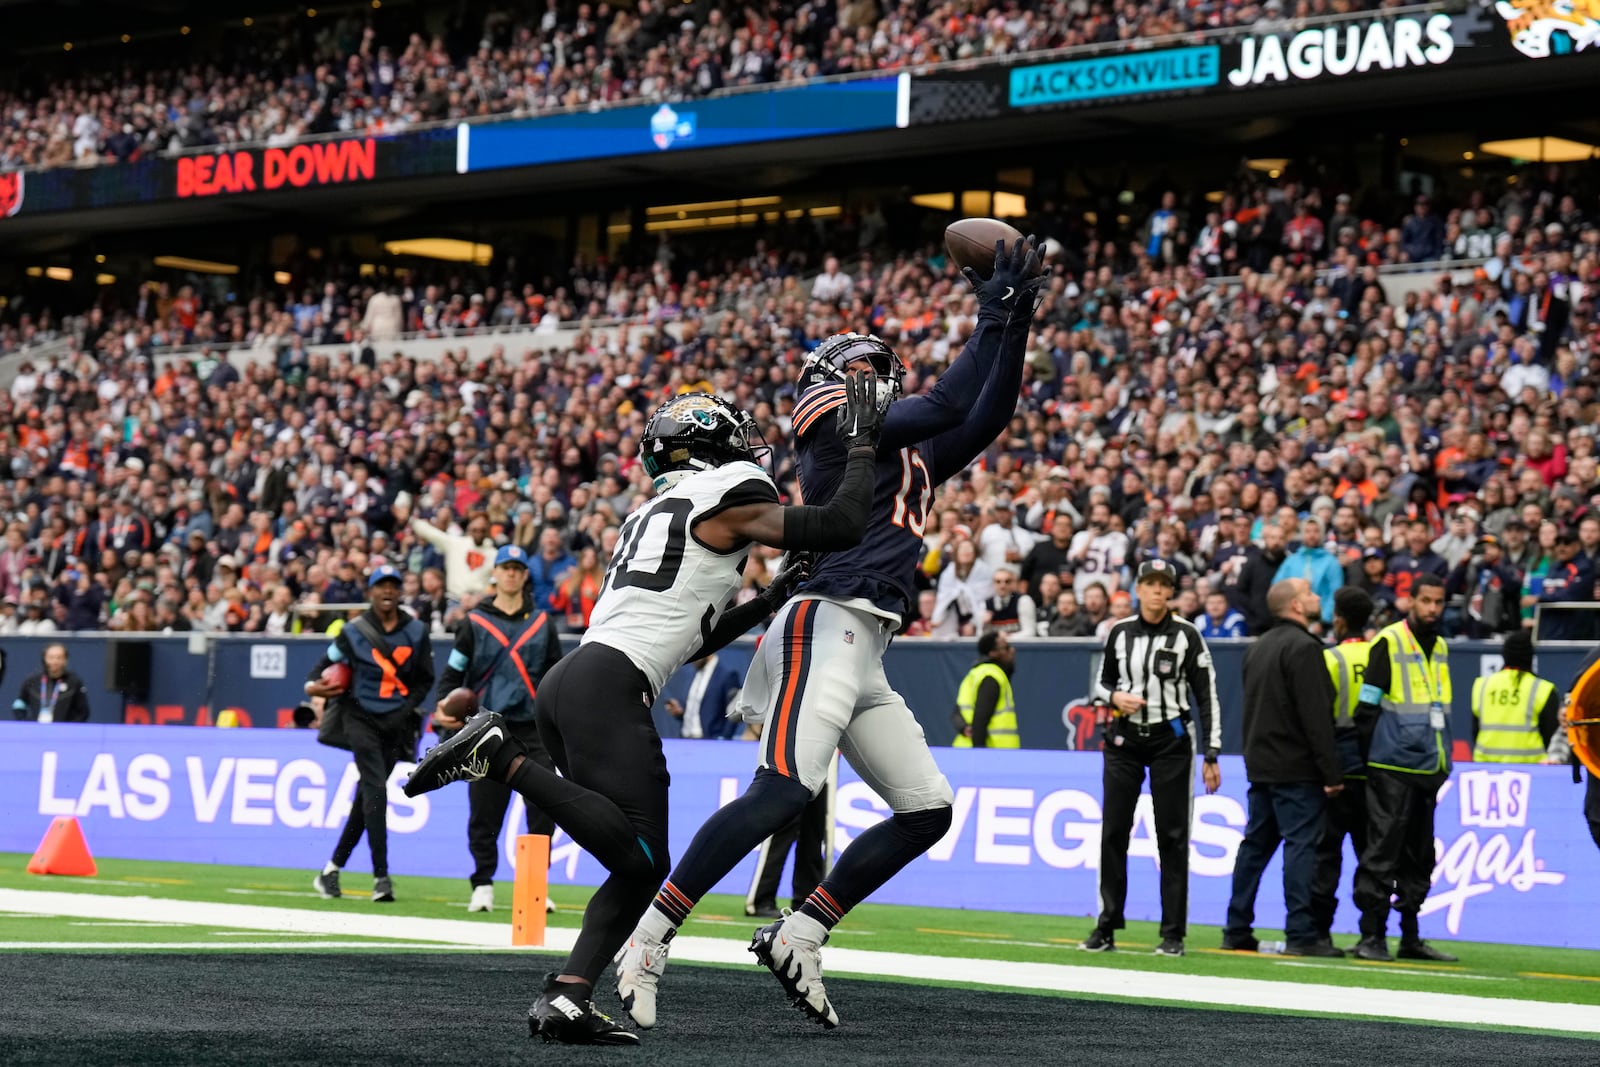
[(1514, 711)]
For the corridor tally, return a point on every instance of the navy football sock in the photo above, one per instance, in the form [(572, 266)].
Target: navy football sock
[(770, 804), (872, 859)]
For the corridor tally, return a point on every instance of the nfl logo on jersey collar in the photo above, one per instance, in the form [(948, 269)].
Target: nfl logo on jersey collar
[(849, 637)]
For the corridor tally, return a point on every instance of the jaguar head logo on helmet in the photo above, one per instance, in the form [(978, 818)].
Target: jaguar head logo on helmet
[(697, 432)]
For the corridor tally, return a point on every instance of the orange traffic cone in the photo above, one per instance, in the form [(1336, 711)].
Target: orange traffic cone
[(63, 850)]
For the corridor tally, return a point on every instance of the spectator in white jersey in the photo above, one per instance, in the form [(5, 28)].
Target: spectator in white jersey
[(1098, 553)]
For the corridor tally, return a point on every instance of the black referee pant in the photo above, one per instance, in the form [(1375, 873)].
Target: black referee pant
[(1130, 750), (487, 803)]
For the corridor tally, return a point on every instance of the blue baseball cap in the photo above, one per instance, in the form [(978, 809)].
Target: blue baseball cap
[(384, 573), (511, 554)]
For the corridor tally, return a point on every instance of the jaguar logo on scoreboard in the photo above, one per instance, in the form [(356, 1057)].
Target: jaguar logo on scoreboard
[(1542, 28)]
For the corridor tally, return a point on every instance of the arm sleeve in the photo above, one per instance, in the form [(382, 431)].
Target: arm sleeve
[(952, 450), (1202, 675), (842, 521), (1110, 679), (338, 651), (1549, 717), (430, 533), (734, 623), (914, 419), (983, 710), (455, 667)]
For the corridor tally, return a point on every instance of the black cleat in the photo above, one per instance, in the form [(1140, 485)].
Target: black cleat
[(382, 890), (1246, 943), (1170, 946), (564, 1012), (764, 910), (1421, 950), (1373, 949), (1319, 949), (463, 758), (326, 883), (1099, 941)]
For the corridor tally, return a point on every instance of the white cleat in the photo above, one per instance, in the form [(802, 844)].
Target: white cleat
[(482, 898), (640, 965), (795, 959)]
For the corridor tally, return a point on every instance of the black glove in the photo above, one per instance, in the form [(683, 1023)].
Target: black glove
[(784, 583), (1014, 286), (860, 417)]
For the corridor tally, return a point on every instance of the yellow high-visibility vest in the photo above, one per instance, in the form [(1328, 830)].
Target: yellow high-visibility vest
[(1506, 705), (1406, 738), (1003, 723), (1347, 665)]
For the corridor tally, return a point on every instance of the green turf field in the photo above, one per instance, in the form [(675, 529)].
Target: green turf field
[(1535, 974)]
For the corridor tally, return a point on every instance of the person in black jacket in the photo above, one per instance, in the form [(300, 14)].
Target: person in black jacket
[(391, 671), (1293, 768), (1255, 579), (52, 693), (503, 649)]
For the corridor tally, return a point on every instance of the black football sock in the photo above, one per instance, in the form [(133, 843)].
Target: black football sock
[(608, 920), (872, 859), (771, 803), (592, 820)]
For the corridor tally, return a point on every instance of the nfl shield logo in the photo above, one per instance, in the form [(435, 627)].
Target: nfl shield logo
[(849, 637)]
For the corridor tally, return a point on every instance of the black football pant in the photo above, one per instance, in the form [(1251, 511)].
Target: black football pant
[(377, 742), (488, 801), (593, 711), (1397, 864), (1169, 759), (807, 835), (1347, 817)]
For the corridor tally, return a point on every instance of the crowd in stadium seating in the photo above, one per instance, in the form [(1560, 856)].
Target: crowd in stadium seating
[(1294, 421), (278, 84)]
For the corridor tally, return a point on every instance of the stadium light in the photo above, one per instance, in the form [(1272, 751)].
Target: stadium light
[(1541, 149), (105, 279), (58, 274), (936, 201), (448, 249), (1268, 166)]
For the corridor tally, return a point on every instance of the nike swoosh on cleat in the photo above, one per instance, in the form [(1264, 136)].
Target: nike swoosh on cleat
[(1010, 292)]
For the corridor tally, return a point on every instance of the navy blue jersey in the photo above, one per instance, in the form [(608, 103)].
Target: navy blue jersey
[(925, 440)]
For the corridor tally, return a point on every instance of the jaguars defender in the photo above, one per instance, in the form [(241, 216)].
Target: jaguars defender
[(817, 680), (664, 602)]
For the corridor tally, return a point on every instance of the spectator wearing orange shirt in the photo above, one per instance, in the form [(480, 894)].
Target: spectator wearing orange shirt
[(577, 595)]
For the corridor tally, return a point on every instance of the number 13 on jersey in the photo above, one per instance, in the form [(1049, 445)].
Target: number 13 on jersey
[(916, 493)]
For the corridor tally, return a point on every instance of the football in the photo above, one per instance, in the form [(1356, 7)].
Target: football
[(458, 704), (970, 242), (337, 676)]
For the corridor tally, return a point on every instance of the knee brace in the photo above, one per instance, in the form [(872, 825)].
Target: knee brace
[(924, 828)]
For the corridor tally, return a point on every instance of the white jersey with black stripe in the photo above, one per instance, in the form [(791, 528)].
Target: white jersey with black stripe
[(665, 589), (1165, 663)]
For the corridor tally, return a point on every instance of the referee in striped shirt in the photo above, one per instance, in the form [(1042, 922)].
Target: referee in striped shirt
[(1151, 663)]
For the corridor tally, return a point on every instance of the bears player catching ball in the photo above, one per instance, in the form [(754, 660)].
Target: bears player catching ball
[(817, 680)]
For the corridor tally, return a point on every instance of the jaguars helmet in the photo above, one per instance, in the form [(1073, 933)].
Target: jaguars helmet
[(830, 360), (697, 432)]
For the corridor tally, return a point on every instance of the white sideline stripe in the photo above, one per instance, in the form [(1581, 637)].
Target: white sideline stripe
[(1141, 985)]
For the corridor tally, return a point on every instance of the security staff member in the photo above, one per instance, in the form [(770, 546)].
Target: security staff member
[(52, 693), (1150, 662), (1347, 812), (1515, 713), (986, 709), (503, 649), (391, 670), (1403, 712)]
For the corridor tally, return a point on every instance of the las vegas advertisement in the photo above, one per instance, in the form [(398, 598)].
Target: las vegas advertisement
[(1489, 31), (1514, 860)]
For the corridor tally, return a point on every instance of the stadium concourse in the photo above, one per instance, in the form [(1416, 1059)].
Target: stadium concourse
[(1212, 374), (276, 79)]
